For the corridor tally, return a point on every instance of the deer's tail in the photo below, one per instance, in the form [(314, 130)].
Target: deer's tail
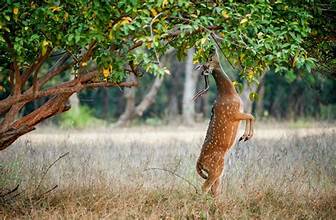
[(200, 169)]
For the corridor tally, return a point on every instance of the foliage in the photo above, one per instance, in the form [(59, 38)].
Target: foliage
[(254, 35)]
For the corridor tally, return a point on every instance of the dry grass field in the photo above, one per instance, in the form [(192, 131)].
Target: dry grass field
[(149, 173)]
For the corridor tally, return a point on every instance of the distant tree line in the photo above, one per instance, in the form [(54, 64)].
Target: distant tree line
[(278, 97)]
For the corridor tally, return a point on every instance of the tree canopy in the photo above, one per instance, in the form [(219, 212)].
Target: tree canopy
[(255, 34), (100, 42)]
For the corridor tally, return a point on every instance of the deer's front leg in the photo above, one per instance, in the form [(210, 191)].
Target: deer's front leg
[(248, 133), (251, 132)]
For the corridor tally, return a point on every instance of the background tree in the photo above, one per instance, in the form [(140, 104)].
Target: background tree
[(190, 82)]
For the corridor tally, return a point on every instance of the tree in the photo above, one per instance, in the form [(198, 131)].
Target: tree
[(100, 42), (131, 109), (190, 82), (249, 93), (174, 90)]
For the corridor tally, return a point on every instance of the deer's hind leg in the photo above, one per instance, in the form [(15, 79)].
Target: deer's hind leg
[(213, 180), (208, 183), (216, 187)]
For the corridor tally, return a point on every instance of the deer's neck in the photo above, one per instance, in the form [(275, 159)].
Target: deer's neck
[(223, 83)]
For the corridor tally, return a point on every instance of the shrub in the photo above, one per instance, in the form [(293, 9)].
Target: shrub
[(80, 117)]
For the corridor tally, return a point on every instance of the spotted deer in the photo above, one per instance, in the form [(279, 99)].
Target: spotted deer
[(222, 131)]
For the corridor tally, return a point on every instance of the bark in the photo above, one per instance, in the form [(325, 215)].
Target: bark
[(248, 104), (172, 107), (72, 86), (150, 97), (188, 107), (106, 101), (259, 107), (132, 110), (175, 90), (11, 135), (27, 123), (129, 94), (74, 103)]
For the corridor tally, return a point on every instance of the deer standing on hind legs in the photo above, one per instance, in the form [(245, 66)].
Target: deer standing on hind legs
[(222, 131)]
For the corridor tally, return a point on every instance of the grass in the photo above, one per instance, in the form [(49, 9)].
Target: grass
[(280, 174)]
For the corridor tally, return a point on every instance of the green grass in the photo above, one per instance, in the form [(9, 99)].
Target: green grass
[(79, 118)]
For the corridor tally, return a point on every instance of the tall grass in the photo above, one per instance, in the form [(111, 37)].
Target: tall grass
[(109, 174)]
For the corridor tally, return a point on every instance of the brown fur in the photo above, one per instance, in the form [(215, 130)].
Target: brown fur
[(222, 130)]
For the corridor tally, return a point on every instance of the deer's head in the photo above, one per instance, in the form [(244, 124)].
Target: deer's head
[(213, 63), (206, 70)]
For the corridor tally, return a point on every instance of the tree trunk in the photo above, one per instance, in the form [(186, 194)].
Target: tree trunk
[(131, 110), (259, 107), (150, 97), (129, 94), (74, 102), (188, 108), (172, 107), (106, 99), (248, 104), (175, 90)]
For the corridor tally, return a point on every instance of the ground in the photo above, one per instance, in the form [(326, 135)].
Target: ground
[(286, 171)]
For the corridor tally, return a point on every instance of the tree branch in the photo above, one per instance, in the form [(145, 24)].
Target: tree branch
[(11, 81), (53, 73), (88, 53), (15, 71), (53, 106), (10, 116), (72, 86), (36, 65), (15, 107), (8, 137), (110, 84), (150, 97), (18, 79)]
